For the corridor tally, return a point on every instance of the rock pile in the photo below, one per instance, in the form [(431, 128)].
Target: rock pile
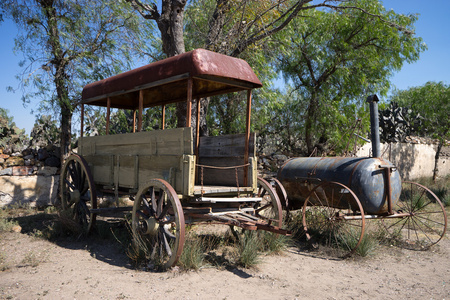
[(30, 161)]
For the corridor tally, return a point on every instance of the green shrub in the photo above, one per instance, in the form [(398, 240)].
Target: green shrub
[(248, 249), (193, 255)]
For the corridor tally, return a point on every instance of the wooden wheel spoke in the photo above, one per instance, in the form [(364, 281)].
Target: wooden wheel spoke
[(163, 212), (166, 244), (160, 203), (153, 198), (261, 192), (70, 184), (147, 205), (170, 219), (74, 178), (168, 233)]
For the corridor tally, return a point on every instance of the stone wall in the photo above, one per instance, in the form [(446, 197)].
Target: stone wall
[(33, 190), (414, 160), (29, 176)]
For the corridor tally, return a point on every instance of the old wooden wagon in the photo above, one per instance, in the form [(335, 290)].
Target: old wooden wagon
[(174, 176)]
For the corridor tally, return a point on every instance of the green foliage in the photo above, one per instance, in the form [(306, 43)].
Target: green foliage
[(193, 255), (247, 252), (432, 102), (6, 222), (334, 57), (67, 44), (121, 121)]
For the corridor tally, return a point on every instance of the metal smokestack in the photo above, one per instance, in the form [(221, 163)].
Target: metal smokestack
[(374, 125)]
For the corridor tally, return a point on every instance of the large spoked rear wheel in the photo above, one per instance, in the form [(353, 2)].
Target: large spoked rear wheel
[(269, 208), (333, 217), (78, 192), (426, 220), (158, 224)]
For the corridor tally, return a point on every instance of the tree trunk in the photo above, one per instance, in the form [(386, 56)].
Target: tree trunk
[(436, 160), (66, 132), (311, 116), (60, 77)]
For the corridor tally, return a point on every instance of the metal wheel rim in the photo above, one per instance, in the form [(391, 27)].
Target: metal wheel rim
[(269, 208), (158, 200), (427, 223), (331, 229)]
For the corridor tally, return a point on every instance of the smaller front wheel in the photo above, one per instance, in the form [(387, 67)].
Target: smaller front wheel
[(158, 224)]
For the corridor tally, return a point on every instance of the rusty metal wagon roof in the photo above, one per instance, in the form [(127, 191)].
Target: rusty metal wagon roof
[(165, 81)]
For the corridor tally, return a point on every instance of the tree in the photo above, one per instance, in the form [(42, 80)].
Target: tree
[(67, 44), (432, 102), (228, 26), (341, 55)]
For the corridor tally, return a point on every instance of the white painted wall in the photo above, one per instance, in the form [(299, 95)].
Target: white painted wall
[(413, 160)]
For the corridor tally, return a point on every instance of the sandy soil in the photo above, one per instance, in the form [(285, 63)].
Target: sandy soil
[(67, 269)]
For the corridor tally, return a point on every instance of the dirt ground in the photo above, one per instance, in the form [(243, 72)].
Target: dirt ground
[(68, 269)]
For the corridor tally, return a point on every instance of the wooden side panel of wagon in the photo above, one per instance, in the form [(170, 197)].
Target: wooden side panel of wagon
[(131, 159)]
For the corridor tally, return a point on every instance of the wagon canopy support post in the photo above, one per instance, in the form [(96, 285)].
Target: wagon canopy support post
[(141, 108), (108, 114), (247, 135), (134, 120), (82, 120), (197, 129), (163, 113), (189, 102)]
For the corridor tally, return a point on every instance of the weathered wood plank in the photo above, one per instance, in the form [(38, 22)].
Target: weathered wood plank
[(226, 145), (168, 142)]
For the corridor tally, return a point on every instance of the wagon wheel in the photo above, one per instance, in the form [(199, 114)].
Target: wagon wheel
[(78, 192), (333, 216), (158, 224), (425, 223), (281, 192), (270, 205)]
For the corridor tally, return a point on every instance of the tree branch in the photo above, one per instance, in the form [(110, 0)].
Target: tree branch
[(146, 10)]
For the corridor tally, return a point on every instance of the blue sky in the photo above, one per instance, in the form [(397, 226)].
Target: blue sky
[(434, 64)]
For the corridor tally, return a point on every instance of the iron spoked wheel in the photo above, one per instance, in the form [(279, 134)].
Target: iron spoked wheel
[(333, 217), (78, 192), (270, 205), (158, 224), (426, 220)]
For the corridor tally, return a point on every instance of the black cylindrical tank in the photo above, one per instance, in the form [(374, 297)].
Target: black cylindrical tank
[(363, 176)]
